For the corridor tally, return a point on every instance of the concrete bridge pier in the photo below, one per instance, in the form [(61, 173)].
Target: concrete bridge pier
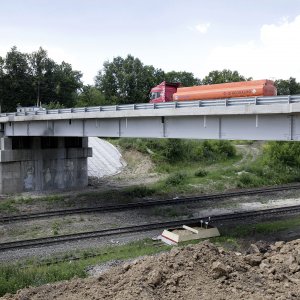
[(43, 163)]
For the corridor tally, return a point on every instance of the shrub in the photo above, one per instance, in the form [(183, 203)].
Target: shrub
[(282, 154), (176, 179), (176, 150), (138, 191), (201, 173), (249, 180)]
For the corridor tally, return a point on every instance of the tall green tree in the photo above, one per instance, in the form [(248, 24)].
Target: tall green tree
[(127, 80), (17, 80), (67, 82), (41, 68), (185, 78), (287, 87), (223, 76), (2, 84), (26, 79), (90, 96)]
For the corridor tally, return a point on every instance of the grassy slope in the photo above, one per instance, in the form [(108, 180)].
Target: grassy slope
[(195, 166)]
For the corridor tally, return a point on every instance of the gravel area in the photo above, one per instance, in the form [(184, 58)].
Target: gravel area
[(89, 222), (61, 249)]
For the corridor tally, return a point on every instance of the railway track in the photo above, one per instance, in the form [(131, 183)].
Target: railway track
[(144, 204), (41, 242)]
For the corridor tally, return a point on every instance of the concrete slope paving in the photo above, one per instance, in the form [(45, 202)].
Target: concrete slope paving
[(106, 159)]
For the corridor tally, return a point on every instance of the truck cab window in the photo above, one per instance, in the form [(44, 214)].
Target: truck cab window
[(154, 95)]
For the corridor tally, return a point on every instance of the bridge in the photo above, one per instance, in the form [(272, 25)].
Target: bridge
[(261, 118), (47, 149)]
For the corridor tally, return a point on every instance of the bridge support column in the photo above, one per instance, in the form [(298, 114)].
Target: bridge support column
[(43, 163)]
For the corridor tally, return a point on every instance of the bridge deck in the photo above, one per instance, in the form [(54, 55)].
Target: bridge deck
[(261, 118)]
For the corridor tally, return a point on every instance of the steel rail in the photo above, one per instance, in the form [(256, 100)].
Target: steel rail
[(145, 227), (144, 204)]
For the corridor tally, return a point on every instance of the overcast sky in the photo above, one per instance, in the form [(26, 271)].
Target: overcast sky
[(259, 38)]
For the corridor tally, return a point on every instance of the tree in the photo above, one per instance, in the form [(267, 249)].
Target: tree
[(224, 76), (17, 80), (127, 80), (90, 96), (26, 79), (287, 87), (185, 78), (40, 66), (2, 85), (68, 83)]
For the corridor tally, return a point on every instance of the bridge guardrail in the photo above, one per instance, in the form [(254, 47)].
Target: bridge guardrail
[(167, 105)]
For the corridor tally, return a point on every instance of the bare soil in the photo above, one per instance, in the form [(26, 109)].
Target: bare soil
[(200, 271)]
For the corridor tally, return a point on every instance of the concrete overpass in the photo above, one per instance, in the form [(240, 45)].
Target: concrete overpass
[(262, 118), (47, 149)]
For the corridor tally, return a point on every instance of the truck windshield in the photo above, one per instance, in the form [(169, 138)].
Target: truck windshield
[(154, 95)]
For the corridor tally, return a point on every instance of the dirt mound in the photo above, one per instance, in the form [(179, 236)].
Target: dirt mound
[(200, 271)]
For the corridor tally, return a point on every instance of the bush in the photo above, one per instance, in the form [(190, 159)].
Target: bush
[(176, 150), (249, 180), (138, 191), (176, 179), (201, 173), (217, 150), (282, 154)]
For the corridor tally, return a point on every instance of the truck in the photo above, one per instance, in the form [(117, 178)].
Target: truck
[(171, 91)]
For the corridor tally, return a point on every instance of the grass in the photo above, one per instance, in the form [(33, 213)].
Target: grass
[(196, 166), (8, 206), (266, 228), (14, 276), (34, 273)]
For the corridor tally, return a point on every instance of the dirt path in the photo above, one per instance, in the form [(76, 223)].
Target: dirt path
[(249, 152)]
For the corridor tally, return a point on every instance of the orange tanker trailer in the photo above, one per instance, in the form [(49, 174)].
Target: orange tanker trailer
[(166, 92)]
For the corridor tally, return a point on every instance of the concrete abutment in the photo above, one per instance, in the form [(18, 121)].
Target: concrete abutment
[(43, 163)]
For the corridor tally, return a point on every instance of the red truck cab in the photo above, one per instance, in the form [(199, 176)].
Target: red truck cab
[(163, 92)]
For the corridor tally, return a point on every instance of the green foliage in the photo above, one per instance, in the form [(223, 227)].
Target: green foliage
[(128, 80), (249, 180), (138, 192), (282, 154), (14, 276), (268, 228), (201, 173), (27, 79), (287, 87), (54, 105), (279, 164), (176, 150), (176, 179), (173, 150), (90, 96), (216, 150), (223, 76), (7, 206), (185, 78)]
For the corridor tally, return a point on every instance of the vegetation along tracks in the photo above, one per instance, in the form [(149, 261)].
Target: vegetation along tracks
[(146, 203), (146, 227)]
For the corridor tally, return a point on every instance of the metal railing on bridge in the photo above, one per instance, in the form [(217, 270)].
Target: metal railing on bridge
[(166, 105)]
